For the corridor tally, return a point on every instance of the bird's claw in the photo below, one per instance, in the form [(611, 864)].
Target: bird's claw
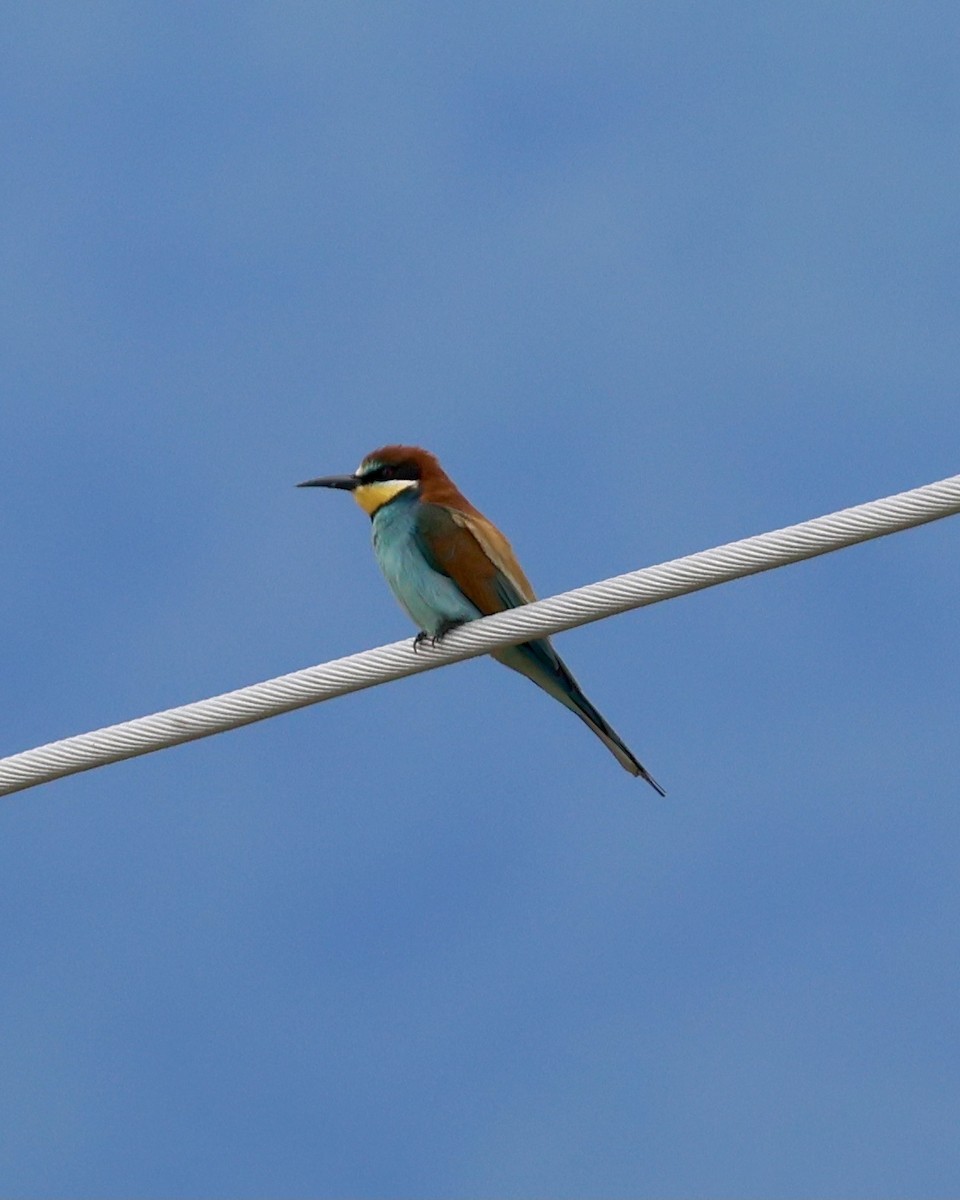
[(436, 638)]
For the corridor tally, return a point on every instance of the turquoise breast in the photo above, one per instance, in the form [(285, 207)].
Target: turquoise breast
[(430, 598)]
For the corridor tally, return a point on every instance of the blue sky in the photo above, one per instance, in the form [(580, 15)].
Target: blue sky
[(647, 277)]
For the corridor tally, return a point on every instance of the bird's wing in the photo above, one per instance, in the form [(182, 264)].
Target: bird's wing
[(475, 555)]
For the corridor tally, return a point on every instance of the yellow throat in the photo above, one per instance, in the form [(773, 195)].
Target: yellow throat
[(371, 496)]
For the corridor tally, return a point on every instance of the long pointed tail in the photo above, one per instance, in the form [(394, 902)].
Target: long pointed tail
[(541, 663)]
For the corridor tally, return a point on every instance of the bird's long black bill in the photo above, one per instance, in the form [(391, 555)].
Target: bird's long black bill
[(346, 483)]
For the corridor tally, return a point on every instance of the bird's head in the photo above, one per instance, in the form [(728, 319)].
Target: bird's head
[(383, 475)]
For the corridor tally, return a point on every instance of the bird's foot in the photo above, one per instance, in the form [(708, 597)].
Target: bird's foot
[(435, 639), (445, 628)]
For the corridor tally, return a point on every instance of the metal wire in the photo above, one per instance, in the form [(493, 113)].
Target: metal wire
[(578, 607)]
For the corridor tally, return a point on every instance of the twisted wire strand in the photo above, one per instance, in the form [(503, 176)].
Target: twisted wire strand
[(594, 602)]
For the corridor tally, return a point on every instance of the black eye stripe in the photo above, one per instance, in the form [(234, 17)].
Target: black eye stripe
[(388, 471)]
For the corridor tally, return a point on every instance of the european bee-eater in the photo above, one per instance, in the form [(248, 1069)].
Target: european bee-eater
[(447, 564)]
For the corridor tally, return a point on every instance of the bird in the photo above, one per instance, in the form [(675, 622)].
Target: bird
[(447, 564)]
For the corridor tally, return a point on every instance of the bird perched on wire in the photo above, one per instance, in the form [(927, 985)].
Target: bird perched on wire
[(447, 564)]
